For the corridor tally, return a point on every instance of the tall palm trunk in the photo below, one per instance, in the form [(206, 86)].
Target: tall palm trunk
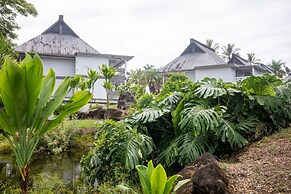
[(24, 175)]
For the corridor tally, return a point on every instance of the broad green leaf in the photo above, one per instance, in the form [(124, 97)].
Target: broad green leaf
[(144, 180), (54, 102), (13, 92), (33, 74), (158, 180), (4, 123), (77, 101), (170, 183), (150, 169), (47, 89), (181, 183)]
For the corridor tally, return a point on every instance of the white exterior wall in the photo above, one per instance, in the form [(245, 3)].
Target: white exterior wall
[(191, 75), (61, 66), (257, 73), (227, 74), (84, 64)]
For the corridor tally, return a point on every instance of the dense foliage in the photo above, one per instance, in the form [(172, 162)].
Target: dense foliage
[(29, 100), (187, 119), (118, 149), (9, 10)]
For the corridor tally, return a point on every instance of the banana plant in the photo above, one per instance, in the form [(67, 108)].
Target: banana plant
[(29, 101)]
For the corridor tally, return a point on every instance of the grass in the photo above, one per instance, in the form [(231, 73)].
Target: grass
[(78, 133)]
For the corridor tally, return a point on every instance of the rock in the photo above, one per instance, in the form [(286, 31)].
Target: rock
[(125, 101), (206, 176), (97, 114), (114, 114)]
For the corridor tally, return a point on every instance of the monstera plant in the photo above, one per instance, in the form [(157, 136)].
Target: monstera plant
[(29, 100)]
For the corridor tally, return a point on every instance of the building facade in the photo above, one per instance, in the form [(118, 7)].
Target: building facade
[(61, 49), (198, 61)]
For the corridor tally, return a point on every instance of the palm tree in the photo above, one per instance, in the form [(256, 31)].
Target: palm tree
[(29, 102), (228, 50), (278, 67), (107, 72), (210, 43), (252, 59)]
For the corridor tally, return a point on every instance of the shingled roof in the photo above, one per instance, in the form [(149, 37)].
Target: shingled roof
[(238, 60), (58, 40), (195, 55)]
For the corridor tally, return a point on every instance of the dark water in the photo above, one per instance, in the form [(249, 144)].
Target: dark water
[(66, 167)]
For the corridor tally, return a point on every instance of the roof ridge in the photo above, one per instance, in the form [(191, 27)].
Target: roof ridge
[(60, 28), (204, 45)]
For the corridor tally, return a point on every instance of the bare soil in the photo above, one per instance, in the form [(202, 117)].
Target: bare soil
[(262, 167)]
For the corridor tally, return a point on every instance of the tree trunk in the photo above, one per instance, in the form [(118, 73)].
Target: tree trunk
[(107, 98), (24, 179)]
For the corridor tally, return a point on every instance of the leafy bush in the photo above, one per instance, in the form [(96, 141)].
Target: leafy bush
[(70, 133), (207, 116), (144, 101), (118, 149)]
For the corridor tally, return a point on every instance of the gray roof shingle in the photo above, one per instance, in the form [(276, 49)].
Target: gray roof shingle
[(59, 40), (195, 55), (238, 60)]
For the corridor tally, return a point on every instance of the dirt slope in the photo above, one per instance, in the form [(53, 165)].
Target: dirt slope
[(262, 167)]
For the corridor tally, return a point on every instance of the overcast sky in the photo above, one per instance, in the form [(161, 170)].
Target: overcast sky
[(157, 31)]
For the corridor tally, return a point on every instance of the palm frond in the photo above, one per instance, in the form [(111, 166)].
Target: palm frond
[(190, 147), (149, 115), (229, 131), (171, 100), (199, 118), (137, 147), (210, 88), (169, 155)]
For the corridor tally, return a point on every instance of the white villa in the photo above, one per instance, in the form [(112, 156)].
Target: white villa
[(198, 61), (61, 49)]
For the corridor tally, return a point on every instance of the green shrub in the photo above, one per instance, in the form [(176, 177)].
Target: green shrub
[(144, 101), (118, 149)]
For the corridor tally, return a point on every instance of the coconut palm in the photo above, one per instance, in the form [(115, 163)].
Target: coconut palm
[(228, 50), (29, 101), (252, 60), (210, 43), (278, 67)]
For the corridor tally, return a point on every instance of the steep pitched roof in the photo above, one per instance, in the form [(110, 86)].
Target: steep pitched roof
[(195, 55), (238, 60), (60, 27), (58, 40)]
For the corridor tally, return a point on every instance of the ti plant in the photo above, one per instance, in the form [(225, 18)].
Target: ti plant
[(108, 72), (154, 179), (29, 101)]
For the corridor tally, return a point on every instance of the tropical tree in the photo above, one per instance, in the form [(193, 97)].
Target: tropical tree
[(93, 77), (29, 101), (210, 43), (228, 50), (252, 60), (278, 67), (6, 49), (107, 72), (9, 10)]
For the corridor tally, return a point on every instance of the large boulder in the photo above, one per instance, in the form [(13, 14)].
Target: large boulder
[(97, 114), (125, 101), (206, 175), (114, 114)]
